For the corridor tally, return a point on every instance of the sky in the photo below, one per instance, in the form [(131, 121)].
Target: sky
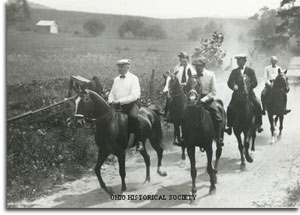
[(165, 8)]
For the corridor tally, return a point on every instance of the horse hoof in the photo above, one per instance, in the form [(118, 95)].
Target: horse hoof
[(182, 164), (110, 191), (212, 190), (243, 166), (162, 172), (249, 159), (147, 180), (193, 201), (279, 137)]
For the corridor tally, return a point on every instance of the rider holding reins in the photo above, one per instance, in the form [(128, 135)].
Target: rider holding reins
[(270, 74), (125, 94)]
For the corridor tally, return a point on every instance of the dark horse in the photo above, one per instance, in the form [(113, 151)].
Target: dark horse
[(194, 90), (244, 119), (112, 133), (276, 102), (177, 101), (198, 130)]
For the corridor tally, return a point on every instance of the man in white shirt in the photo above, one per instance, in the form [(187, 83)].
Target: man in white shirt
[(270, 75), (125, 93), (208, 92), (184, 69)]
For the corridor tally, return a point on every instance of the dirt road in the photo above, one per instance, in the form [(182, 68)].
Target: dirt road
[(264, 183)]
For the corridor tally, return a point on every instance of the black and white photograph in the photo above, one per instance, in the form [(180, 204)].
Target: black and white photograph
[(151, 104)]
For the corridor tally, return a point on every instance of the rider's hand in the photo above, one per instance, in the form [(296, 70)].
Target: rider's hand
[(116, 103), (235, 87)]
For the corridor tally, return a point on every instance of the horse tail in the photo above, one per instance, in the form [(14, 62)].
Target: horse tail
[(158, 134)]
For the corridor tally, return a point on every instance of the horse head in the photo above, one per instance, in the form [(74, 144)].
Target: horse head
[(90, 105), (172, 86), (194, 89), (282, 82), (244, 86)]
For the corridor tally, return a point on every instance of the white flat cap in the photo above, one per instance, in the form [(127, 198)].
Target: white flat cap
[(124, 61), (241, 55), (274, 58)]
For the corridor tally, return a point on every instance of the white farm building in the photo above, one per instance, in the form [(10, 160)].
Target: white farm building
[(46, 26)]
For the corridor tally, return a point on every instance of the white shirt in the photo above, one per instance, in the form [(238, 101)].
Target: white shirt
[(125, 90), (243, 70), (179, 69), (271, 73), (209, 86)]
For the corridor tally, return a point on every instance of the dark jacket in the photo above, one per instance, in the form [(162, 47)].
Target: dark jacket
[(234, 76)]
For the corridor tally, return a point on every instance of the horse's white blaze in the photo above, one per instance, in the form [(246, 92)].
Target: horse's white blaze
[(166, 88), (77, 100)]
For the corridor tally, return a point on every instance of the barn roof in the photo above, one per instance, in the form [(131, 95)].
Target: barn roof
[(45, 22)]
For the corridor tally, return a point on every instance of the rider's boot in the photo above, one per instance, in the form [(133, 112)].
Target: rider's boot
[(286, 111)]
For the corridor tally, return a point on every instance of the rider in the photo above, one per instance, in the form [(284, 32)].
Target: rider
[(125, 93), (182, 71), (271, 73), (232, 84), (208, 92)]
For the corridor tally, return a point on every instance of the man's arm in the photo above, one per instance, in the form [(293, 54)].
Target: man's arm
[(253, 79), (111, 96), (231, 80), (267, 77), (213, 89), (135, 93)]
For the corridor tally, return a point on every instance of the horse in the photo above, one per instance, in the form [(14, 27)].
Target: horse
[(177, 101), (244, 119), (198, 130), (112, 135), (275, 104), (194, 89)]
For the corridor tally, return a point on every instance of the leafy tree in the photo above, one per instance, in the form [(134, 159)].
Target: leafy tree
[(94, 27), (210, 50), (267, 40), (133, 26), (290, 16), (17, 11)]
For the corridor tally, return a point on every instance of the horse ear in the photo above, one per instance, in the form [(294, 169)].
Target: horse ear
[(285, 71), (166, 74)]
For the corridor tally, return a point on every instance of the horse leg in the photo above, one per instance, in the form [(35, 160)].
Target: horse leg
[(212, 173), (272, 128), (147, 162), (220, 135), (247, 145), (176, 140), (191, 154), (281, 117), (159, 151), (101, 158), (122, 172), (253, 141), (182, 161), (241, 148)]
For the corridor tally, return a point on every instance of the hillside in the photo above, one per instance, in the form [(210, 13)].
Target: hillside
[(70, 21), (38, 6)]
